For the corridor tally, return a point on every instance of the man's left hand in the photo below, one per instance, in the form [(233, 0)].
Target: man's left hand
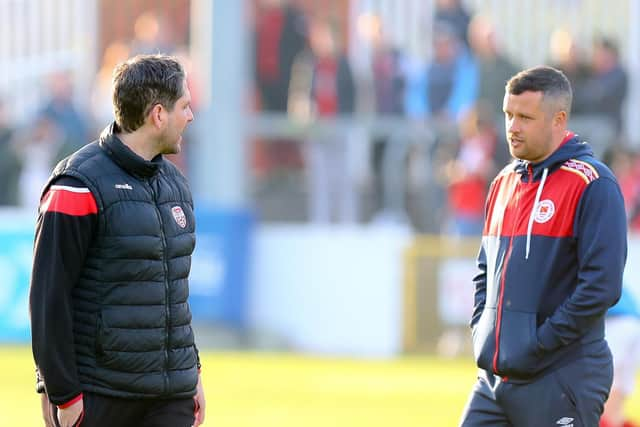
[(200, 404)]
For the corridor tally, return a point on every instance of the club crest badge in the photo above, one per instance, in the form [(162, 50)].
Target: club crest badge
[(544, 211), (179, 216)]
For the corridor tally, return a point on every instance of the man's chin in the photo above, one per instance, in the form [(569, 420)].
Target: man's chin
[(175, 149)]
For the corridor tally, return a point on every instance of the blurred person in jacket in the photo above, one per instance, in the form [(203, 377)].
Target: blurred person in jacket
[(110, 322), (387, 68), (446, 87), (280, 35), (322, 88), (468, 174), (494, 67), (568, 56), (38, 146), (10, 162), (605, 91), (455, 14), (550, 265), (62, 110)]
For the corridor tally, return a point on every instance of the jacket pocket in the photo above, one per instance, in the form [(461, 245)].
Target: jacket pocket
[(483, 337), (519, 353)]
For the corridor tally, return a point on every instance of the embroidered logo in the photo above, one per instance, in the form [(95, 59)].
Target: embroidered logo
[(544, 211), (123, 187), (565, 422), (179, 216)]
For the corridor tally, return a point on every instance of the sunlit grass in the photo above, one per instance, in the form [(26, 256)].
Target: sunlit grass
[(265, 390)]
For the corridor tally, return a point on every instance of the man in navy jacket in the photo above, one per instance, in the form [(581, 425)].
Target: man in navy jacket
[(550, 265)]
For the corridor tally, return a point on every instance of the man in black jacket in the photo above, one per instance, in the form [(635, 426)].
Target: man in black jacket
[(111, 326)]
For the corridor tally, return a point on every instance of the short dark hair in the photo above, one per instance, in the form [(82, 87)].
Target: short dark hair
[(606, 43), (552, 82), (142, 82)]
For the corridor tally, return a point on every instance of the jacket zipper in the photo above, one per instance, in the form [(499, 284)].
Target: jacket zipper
[(500, 299), (165, 267), (503, 279)]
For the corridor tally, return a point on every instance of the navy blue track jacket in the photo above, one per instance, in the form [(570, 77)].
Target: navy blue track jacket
[(553, 251)]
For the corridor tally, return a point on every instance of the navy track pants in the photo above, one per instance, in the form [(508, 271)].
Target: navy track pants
[(571, 396)]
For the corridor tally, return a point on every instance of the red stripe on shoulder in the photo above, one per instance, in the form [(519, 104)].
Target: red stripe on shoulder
[(69, 200), (583, 169)]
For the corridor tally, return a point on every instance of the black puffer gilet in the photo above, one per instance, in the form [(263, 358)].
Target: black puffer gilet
[(132, 323)]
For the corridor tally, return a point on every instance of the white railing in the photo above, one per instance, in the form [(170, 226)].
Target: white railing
[(40, 37)]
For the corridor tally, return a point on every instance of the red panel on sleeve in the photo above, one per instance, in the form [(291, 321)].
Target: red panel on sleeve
[(76, 201)]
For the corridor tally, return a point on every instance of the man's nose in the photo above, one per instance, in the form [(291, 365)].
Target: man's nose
[(513, 126)]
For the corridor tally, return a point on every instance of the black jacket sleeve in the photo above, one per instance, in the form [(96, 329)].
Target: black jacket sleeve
[(64, 229)]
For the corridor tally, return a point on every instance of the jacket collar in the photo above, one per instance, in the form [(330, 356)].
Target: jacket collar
[(125, 157), (570, 148)]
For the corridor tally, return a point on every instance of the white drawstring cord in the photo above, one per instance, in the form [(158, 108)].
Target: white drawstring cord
[(534, 210)]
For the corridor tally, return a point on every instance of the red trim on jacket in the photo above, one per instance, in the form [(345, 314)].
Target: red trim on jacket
[(71, 402), (69, 200), (555, 214)]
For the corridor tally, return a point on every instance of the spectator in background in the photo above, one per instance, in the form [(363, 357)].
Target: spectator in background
[(10, 162), (439, 95), (39, 147), (453, 13), (605, 91), (322, 87), (388, 83), (150, 35), (280, 35), (626, 165), (469, 173), (567, 56), (447, 87), (101, 94), (494, 68), (62, 111)]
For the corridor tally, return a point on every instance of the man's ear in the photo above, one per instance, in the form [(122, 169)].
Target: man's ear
[(156, 116), (560, 118)]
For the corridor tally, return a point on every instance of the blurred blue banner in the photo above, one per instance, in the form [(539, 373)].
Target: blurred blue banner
[(218, 285), (16, 252), (219, 280)]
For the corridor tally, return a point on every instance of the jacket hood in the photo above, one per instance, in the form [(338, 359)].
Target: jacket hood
[(572, 147)]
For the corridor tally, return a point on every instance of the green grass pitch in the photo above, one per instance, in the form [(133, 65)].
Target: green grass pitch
[(265, 390)]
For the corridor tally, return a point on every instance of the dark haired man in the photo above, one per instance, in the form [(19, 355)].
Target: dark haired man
[(111, 326), (550, 265)]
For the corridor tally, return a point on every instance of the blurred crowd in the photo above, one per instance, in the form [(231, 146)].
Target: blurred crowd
[(303, 70), (430, 166), (63, 122)]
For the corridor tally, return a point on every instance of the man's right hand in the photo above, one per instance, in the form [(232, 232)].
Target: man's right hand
[(69, 416), (47, 410)]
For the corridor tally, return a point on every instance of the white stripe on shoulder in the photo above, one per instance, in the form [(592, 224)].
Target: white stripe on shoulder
[(72, 189)]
